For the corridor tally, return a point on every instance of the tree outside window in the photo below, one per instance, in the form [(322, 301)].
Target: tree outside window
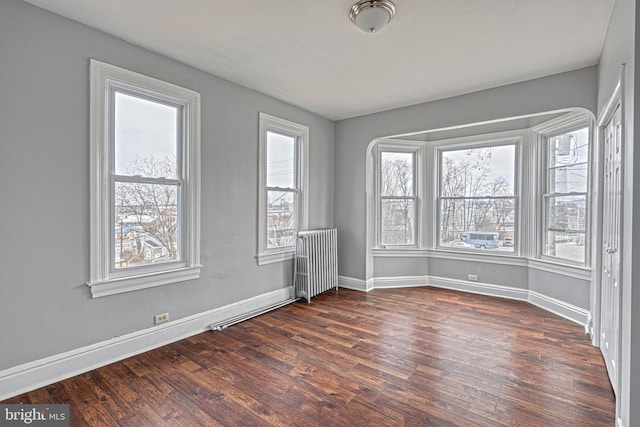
[(146, 181), (397, 197), (477, 193), (146, 216)]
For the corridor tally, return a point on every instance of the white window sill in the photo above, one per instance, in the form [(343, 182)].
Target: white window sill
[(271, 257), (479, 255), (552, 266), (502, 258), (478, 251), (399, 251), (133, 283)]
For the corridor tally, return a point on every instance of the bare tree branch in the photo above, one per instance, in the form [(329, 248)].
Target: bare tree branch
[(154, 206)]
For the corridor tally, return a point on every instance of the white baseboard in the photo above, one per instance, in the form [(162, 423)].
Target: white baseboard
[(561, 308), (351, 283), (553, 305), (370, 284), (29, 376), (400, 282), (479, 288)]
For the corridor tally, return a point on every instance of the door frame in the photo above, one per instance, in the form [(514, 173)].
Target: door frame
[(616, 100)]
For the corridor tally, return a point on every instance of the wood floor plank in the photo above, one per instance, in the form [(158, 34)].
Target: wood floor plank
[(109, 396), (413, 357), (39, 395)]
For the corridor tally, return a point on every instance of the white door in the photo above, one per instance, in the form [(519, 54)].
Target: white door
[(610, 298)]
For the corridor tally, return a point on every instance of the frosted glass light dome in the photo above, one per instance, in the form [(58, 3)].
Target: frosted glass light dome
[(371, 15)]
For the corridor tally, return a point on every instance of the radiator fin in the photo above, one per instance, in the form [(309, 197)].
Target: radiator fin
[(316, 263)]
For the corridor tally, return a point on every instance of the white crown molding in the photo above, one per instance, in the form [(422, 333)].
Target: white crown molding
[(29, 376), (568, 120)]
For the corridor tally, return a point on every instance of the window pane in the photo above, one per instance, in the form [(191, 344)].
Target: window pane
[(396, 174), (280, 160), (281, 219), (486, 223), (565, 244), (566, 213), (478, 172), (568, 162), (397, 221), (145, 137), (567, 179), (146, 223)]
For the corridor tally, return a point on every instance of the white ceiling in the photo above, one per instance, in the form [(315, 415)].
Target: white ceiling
[(309, 54)]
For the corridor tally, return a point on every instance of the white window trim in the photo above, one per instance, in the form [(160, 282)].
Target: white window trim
[(301, 134), (529, 187), (401, 146), (103, 281), (566, 123), (516, 138)]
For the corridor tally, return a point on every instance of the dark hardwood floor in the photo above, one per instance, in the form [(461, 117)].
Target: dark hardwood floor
[(418, 356)]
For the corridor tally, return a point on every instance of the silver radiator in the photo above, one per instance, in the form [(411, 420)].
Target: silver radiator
[(316, 262)]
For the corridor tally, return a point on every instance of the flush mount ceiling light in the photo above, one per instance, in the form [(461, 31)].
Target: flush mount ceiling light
[(371, 15)]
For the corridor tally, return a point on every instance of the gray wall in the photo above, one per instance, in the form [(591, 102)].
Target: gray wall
[(44, 195), (572, 89), (568, 289), (512, 276), (45, 306), (353, 136), (621, 47), (400, 266)]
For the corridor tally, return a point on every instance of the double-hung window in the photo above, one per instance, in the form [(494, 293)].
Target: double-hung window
[(282, 188), (397, 197), (145, 181), (478, 196), (565, 197)]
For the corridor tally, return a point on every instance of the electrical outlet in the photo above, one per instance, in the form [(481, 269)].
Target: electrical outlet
[(473, 277), (160, 318)]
